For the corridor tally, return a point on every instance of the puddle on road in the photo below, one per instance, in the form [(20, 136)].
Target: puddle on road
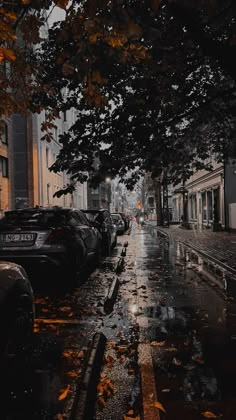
[(192, 330)]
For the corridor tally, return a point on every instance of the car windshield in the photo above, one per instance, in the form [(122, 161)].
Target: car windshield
[(94, 216), (90, 216), (30, 218), (116, 217)]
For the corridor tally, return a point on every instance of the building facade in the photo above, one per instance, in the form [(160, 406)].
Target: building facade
[(5, 152)]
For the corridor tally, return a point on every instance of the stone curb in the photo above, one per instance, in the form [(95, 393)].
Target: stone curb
[(111, 296), (84, 403)]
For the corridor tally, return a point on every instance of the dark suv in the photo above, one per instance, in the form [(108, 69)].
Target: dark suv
[(53, 237), (103, 221)]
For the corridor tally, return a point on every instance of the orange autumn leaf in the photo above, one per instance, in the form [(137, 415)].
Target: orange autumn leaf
[(158, 343), (109, 359), (111, 345), (7, 54), (72, 374), (64, 393), (65, 309), (81, 354), (209, 415), (158, 405), (58, 416)]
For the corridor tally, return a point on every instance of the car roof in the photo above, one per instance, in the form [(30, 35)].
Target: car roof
[(94, 211), (40, 209)]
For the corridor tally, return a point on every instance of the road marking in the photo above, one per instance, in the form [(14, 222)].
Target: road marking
[(59, 321), (148, 384), (149, 394)]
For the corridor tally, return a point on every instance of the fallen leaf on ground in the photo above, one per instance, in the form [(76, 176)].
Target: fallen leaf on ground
[(65, 309), (64, 393), (131, 418), (109, 359), (158, 405), (158, 343), (198, 360), (72, 374), (209, 415), (111, 345), (130, 413), (58, 417)]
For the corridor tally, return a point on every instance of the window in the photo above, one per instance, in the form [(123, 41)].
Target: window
[(3, 132), (209, 205), (81, 218), (47, 157), (95, 203), (193, 206), (204, 206), (65, 116), (4, 166)]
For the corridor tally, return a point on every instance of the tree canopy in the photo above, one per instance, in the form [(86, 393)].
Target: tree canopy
[(152, 82)]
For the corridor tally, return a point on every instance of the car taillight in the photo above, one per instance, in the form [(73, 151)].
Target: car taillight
[(57, 235)]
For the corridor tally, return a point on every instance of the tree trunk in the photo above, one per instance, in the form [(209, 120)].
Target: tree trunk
[(157, 192)]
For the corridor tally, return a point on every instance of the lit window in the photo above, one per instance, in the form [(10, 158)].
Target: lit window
[(4, 166), (3, 132)]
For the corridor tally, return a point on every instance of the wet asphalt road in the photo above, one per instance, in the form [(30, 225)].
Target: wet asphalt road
[(169, 300)]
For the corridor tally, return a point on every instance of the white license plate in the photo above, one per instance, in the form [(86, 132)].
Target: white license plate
[(18, 237)]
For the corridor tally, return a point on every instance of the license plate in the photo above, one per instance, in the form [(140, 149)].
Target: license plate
[(18, 237)]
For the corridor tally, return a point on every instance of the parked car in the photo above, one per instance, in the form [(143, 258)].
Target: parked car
[(126, 220), (56, 237), (102, 220), (119, 222), (16, 309)]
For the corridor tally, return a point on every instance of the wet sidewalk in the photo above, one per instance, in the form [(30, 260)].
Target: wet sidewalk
[(218, 245)]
